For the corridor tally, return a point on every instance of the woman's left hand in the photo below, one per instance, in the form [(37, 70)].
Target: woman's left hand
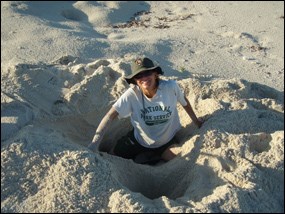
[(199, 122)]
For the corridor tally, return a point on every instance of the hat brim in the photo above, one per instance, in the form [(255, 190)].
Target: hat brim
[(130, 79)]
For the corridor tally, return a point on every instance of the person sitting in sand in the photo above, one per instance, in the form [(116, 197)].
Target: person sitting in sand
[(151, 103)]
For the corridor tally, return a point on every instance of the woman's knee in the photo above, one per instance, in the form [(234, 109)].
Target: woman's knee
[(171, 152)]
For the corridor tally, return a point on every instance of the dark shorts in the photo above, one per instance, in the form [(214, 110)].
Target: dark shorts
[(128, 147)]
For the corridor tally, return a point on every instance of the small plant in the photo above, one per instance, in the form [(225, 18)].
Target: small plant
[(182, 69)]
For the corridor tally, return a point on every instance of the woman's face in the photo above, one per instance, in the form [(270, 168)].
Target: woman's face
[(146, 80)]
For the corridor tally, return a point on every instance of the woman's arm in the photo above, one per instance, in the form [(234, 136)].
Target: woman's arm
[(102, 128), (192, 115)]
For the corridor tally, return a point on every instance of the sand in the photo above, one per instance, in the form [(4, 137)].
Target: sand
[(63, 66)]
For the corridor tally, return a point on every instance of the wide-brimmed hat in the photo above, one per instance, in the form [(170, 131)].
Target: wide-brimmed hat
[(142, 64)]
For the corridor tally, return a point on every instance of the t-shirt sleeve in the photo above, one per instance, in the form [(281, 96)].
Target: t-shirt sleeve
[(123, 104), (179, 94)]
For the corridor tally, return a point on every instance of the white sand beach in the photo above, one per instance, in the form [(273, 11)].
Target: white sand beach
[(63, 66)]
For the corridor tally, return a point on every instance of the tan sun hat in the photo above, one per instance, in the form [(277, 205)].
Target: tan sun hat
[(142, 64)]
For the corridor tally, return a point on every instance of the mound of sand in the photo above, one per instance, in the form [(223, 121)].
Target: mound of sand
[(49, 113)]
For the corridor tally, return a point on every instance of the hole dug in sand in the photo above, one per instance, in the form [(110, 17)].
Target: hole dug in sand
[(153, 181), (172, 179)]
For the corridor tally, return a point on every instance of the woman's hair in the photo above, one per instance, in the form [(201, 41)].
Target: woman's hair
[(157, 79)]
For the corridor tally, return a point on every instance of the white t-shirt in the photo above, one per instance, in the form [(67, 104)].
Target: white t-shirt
[(155, 120)]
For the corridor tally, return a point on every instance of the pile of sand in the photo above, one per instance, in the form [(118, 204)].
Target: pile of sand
[(49, 113)]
